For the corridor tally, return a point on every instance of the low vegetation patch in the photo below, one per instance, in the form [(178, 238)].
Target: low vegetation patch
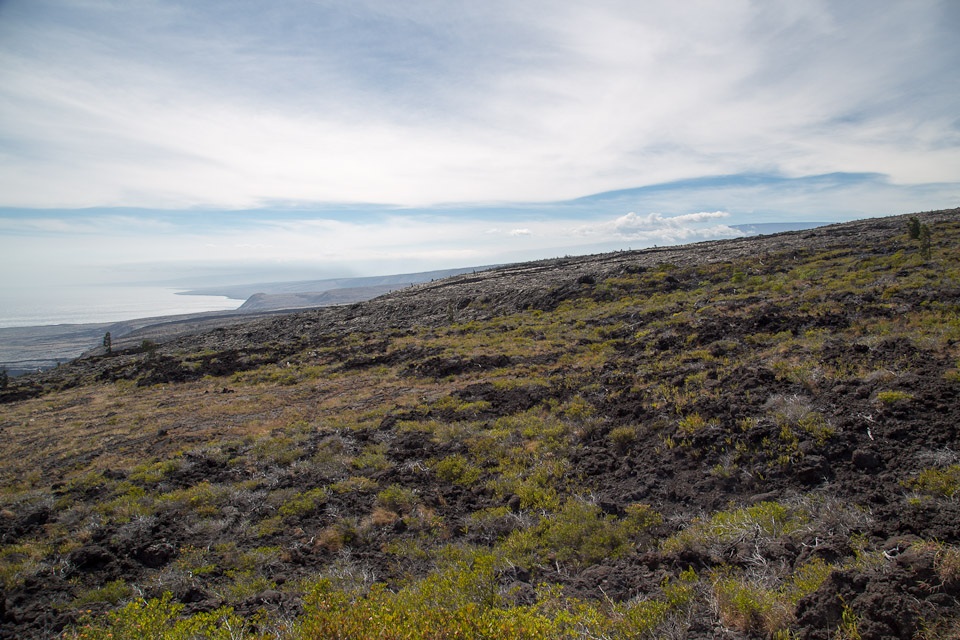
[(943, 482)]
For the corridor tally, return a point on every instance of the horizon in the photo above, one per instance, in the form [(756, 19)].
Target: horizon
[(28, 307), (163, 141)]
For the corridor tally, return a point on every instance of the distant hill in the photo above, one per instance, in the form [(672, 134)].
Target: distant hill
[(764, 228), (307, 300), (244, 291)]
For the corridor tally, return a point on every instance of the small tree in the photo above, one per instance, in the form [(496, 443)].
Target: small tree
[(924, 236), (913, 228), (149, 347), (4, 378), (108, 343)]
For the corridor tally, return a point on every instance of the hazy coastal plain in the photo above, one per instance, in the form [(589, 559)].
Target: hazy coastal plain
[(41, 328)]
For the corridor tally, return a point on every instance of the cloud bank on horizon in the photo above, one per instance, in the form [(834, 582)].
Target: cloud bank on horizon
[(134, 129)]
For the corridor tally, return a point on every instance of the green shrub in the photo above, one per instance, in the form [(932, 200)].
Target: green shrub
[(578, 409), (805, 580), (132, 503), (458, 470), (259, 558), (332, 456), (893, 397), (816, 425), (397, 498), (245, 583), (361, 484), (148, 473), (938, 482), (459, 409), (495, 521), (849, 628), (642, 619), (679, 593), (693, 423), (767, 519), (303, 503), (373, 458), (203, 499), (112, 592), (268, 526), (462, 600), (280, 450), (581, 533), (749, 606), (196, 560), (87, 483), (18, 561), (640, 517), (159, 619), (623, 438)]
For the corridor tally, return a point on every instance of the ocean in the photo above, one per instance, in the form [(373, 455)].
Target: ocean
[(29, 307)]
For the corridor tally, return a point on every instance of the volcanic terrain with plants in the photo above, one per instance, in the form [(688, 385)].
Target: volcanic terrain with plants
[(750, 438)]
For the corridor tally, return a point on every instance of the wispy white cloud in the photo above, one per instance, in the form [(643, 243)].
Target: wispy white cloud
[(73, 225), (657, 228), (179, 104), (631, 222)]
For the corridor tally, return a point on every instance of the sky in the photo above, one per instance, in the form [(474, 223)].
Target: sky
[(165, 140)]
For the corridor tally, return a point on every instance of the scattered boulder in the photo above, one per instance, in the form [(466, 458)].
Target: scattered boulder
[(156, 555), (865, 459), (91, 558), (812, 469)]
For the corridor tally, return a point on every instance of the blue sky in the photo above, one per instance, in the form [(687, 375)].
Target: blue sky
[(371, 136)]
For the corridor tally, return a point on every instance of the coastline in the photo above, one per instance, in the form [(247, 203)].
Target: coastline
[(28, 349), (95, 304)]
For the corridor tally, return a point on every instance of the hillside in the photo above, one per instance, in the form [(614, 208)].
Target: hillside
[(384, 282), (346, 295), (746, 438)]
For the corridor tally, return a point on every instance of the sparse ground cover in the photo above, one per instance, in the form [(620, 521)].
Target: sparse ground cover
[(759, 444)]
